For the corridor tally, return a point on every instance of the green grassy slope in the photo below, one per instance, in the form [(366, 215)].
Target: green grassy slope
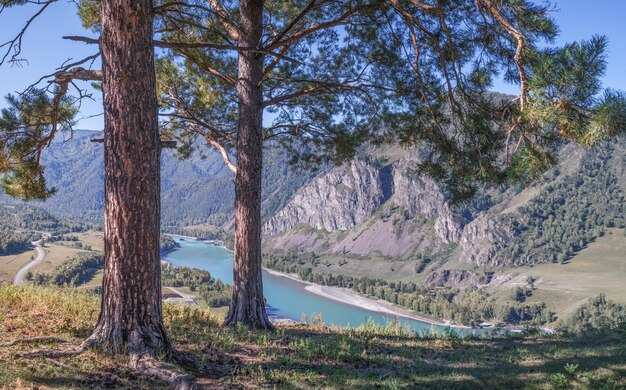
[(301, 357), (599, 268)]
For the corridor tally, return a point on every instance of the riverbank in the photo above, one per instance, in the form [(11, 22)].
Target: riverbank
[(211, 242), (329, 300), (352, 298), (181, 236)]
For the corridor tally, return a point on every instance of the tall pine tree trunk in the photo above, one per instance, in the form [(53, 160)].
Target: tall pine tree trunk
[(131, 313), (248, 304)]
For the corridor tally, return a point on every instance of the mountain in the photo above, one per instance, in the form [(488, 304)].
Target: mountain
[(198, 190), (381, 207), (377, 206)]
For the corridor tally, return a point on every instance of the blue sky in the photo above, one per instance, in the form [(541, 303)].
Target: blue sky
[(45, 50)]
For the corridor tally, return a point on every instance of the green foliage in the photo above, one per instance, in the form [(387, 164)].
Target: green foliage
[(598, 313), (72, 272), (168, 243), (27, 126), (89, 14), (566, 93), (569, 213), (365, 74), (214, 292), (529, 163), (25, 217), (12, 242), (520, 294)]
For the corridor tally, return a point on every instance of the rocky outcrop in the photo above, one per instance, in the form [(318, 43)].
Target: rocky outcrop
[(350, 195), (420, 194), (337, 200), (452, 278), (482, 238)]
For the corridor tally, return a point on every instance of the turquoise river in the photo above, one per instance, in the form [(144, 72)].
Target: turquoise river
[(286, 297)]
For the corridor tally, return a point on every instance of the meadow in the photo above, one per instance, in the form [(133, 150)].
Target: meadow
[(300, 356)]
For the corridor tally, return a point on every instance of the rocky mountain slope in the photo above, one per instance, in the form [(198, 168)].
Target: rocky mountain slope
[(388, 210), (377, 206)]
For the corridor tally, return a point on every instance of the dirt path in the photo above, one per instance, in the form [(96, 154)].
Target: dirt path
[(19, 277)]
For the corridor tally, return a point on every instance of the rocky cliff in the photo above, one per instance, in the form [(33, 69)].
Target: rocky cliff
[(337, 200), (391, 210)]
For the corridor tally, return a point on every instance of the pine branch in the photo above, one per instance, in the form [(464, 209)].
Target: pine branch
[(287, 28), (519, 51), (301, 34), (190, 45), (15, 44), (231, 28)]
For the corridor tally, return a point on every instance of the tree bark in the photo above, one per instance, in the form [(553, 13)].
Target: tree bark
[(248, 304), (131, 313)]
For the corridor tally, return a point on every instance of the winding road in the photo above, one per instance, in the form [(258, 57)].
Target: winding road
[(19, 277)]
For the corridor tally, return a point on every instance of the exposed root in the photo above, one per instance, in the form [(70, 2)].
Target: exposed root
[(185, 360), (141, 360), (108, 375), (59, 364), (52, 353), (147, 365), (35, 340)]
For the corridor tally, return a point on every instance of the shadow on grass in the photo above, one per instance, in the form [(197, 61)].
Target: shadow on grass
[(352, 359)]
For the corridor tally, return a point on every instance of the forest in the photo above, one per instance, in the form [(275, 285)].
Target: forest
[(213, 292), (71, 273), (12, 242), (569, 214)]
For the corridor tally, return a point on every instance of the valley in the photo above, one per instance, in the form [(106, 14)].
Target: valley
[(377, 218)]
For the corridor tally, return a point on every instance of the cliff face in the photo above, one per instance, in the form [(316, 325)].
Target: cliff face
[(391, 210), (338, 200), (420, 194), (362, 209), (482, 238)]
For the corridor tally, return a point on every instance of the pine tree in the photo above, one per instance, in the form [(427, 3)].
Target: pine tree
[(131, 318), (335, 74)]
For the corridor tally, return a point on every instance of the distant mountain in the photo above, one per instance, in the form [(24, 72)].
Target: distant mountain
[(198, 190), (380, 207), (376, 206)]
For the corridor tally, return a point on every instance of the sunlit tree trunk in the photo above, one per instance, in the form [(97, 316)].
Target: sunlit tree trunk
[(248, 304), (131, 313)]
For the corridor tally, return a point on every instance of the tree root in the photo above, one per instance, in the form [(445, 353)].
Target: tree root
[(52, 353), (147, 365), (185, 360), (59, 364), (141, 360), (35, 340)]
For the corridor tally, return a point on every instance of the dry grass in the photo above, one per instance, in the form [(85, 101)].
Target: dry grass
[(11, 264), (302, 357)]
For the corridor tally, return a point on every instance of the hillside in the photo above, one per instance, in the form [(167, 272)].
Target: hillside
[(378, 227), (382, 208), (198, 190), (376, 206), (300, 356)]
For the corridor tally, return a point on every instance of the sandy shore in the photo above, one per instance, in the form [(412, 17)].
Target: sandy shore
[(181, 236), (354, 299)]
